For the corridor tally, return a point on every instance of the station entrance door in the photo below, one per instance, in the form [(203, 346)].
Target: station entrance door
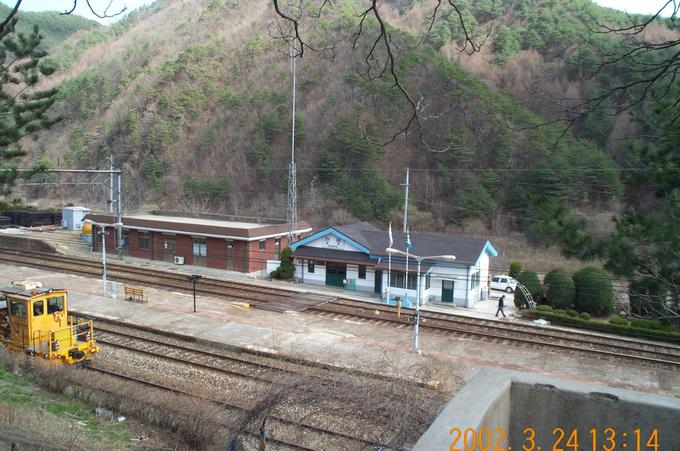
[(336, 274)]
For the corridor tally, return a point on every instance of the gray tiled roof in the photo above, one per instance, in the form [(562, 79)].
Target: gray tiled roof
[(466, 250)]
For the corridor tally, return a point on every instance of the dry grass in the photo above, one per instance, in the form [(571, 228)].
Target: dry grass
[(194, 421), (31, 429)]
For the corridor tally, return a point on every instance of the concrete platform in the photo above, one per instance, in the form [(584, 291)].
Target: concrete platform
[(512, 402), (367, 345)]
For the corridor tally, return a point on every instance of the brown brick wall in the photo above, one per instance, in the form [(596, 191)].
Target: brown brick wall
[(157, 245), (240, 250), (217, 253), (110, 239), (258, 259), (185, 247), (134, 250)]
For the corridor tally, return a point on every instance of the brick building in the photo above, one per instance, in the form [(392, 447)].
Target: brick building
[(230, 243)]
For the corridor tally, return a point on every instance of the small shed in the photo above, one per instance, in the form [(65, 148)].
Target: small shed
[(72, 217)]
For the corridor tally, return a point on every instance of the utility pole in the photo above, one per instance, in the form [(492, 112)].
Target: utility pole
[(292, 176), (103, 232), (111, 183), (119, 213), (406, 202)]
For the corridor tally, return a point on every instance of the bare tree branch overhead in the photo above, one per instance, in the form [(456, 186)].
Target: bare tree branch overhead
[(652, 64), (96, 11), (382, 53), (9, 17)]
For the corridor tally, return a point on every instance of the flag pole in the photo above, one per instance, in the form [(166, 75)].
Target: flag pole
[(389, 268), (408, 242)]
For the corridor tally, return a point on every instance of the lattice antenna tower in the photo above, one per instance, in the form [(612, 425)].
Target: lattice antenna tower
[(292, 216)]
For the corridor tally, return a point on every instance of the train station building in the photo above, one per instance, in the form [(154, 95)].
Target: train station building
[(355, 257), (221, 242)]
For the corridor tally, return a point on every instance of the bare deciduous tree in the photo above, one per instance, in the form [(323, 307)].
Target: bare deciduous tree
[(385, 45)]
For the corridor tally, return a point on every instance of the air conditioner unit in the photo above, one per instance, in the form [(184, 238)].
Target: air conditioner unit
[(179, 260)]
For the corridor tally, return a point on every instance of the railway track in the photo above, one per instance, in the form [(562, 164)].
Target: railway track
[(137, 380), (225, 363), (126, 273), (238, 363), (524, 334)]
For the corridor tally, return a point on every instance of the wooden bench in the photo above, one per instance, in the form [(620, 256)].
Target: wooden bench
[(135, 295)]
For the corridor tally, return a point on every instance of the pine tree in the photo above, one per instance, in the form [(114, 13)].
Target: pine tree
[(645, 241), (23, 108)]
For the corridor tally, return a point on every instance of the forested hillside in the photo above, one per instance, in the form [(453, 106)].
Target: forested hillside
[(54, 26), (194, 103)]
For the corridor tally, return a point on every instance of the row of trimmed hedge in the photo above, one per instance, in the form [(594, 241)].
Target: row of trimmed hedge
[(616, 326), (588, 290)]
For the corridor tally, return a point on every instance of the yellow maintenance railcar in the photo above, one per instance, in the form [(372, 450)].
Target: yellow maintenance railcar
[(35, 320)]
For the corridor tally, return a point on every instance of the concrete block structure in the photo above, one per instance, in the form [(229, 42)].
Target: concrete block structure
[(221, 242), (517, 410), (72, 217), (354, 257)]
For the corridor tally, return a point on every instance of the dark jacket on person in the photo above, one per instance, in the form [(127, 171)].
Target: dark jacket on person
[(500, 302)]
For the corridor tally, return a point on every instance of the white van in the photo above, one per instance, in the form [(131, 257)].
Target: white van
[(503, 283)]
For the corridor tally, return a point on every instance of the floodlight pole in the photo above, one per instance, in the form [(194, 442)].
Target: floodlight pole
[(103, 244), (416, 322), (416, 326)]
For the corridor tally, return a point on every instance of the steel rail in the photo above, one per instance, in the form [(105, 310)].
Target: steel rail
[(368, 313), (229, 405), (177, 391), (662, 349)]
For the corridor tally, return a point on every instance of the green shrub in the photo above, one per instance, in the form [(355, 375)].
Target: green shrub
[(572, 313), (529, 279), (560, 312), (560, 290), (650, 324), (622, 329), (286, 269), (544, 308), (594, 293), (584, 316), (515, 269), (618, 321)]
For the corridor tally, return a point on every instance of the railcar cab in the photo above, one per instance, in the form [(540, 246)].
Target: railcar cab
[(35, 320)]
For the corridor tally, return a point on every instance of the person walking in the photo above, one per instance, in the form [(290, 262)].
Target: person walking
[(500, 306)]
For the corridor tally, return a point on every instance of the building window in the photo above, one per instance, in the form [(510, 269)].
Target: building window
[(310, 266), (277, 247), (125, 238), (474, 283), (398, 280), (427, 281), (362, 271), (144, 241), (263, 245), (200, 251)]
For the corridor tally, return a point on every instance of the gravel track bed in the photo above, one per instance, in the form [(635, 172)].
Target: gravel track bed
[(253, 360), (241, 392), (608, 348)]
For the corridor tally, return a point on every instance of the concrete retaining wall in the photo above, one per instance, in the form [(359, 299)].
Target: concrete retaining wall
[(20, 243), (509, 401)]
